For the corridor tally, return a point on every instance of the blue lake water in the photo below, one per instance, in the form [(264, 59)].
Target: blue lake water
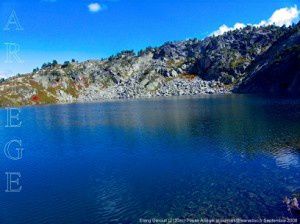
[(206, 157)]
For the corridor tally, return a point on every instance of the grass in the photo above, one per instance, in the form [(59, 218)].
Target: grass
[(238, 62)]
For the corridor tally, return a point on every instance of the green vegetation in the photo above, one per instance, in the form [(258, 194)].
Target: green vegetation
[(35, 70), (65, 64), (175, 64), (42, 96), (235, 63), (71, 89), (227, 79), (49, 64), (54, 63)]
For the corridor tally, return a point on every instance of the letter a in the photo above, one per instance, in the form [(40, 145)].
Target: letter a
[(13, 21)]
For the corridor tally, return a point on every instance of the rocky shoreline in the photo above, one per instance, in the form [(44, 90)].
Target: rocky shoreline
[(174, 87)]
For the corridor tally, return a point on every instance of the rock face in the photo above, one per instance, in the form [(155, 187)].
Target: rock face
[(213, 65), (277, 71)]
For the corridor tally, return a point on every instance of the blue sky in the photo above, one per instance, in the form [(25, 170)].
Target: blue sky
[(65, 29)]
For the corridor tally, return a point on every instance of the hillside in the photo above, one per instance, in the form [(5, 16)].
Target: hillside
[(213, 65), (277, 71)]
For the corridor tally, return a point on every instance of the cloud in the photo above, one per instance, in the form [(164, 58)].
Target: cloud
[(223, 29), (94, 7), (284, 16)]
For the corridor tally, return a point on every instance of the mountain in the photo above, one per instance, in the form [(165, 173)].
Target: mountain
[(242, 61)]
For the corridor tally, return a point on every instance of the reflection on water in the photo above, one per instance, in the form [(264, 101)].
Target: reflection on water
[(214, 156), (287, 158)]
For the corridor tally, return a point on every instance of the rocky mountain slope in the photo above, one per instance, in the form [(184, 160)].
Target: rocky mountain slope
[(277, 71), (213, 65)]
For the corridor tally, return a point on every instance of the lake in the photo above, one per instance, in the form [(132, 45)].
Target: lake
[(119, 162)]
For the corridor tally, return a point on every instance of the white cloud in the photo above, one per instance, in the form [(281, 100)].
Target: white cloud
[(284, 16), (239, 26), (94, 7), (223, 29)]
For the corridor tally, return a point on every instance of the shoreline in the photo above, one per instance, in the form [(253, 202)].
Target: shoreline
[(125, 99), (143, 98)]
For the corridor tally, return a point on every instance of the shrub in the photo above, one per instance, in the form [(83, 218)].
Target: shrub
[(46, 65), (66, 64), (54, 62), (227, 79), (35, 70)]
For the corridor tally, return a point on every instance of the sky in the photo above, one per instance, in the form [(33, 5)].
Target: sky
[(40, 31)]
